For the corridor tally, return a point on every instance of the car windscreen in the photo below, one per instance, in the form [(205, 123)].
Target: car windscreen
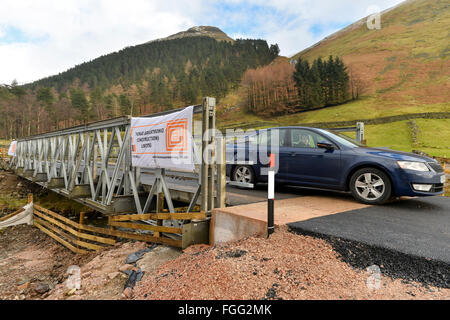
[(342, 138)]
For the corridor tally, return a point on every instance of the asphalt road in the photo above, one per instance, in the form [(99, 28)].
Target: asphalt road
[(418, 227), (235, 195)]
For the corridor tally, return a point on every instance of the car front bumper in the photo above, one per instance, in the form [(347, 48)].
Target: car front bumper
[(408, 178)]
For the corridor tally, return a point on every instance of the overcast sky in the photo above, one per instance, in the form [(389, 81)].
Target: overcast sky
[(39, 38)]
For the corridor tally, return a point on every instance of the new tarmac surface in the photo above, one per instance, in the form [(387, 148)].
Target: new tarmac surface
[(418, 227)]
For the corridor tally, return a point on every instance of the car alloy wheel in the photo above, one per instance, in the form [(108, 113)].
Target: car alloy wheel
[(243, 174), (370, 186)]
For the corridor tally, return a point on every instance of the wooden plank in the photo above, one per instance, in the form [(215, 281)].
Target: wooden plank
[(159, 208), (74, 232), (55, 215), (137, 226), (161, 216), (116, 233), (68, 236), (12, 214), (60, 240), (147, 238), (73, 223)]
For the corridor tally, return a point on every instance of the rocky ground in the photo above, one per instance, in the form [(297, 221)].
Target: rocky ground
[(31, 263), (286, 266)]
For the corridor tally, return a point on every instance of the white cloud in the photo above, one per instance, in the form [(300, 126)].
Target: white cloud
[(289, 22), (55, 35)]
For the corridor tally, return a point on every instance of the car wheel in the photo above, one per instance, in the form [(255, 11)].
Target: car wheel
[(370, 186), (244, 174)]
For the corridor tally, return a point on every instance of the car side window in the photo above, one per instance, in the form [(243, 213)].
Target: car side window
[(283, 137), (301, 138), (265, 137)]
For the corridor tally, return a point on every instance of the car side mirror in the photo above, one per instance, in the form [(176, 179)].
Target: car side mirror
[(325, 145)]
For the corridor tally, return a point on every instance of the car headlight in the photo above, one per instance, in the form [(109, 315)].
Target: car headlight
[(412, 165)]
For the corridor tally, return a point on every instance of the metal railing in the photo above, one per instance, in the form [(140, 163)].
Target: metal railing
[(91, 163)]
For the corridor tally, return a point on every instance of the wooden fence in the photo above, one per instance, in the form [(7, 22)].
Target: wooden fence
[(132, 221), (75, 236), (15, 213), (80, 238)]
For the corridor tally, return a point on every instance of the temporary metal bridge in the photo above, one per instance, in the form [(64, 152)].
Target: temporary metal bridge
[(91, 164)]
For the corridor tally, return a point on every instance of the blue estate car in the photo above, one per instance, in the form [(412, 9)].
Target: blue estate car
[(318, 158)]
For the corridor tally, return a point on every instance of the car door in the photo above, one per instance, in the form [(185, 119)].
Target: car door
[(281, 149), (309, 164)]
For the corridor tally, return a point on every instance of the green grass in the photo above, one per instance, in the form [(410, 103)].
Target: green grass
[(394, 135), (11, 203), (434, 133), (61, 204), (367, 108), (4, 143), (433, 138)]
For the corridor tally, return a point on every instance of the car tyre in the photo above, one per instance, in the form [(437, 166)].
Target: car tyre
[(243, 173), (371, 186)]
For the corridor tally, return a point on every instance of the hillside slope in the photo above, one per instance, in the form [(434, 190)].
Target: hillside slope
[(179, 69), (406, 62), (404, 68), (200, 31), (151, 77)]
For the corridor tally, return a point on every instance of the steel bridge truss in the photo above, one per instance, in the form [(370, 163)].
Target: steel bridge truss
[(92, 164)]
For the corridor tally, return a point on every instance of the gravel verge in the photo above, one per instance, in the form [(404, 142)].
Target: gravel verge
[(286, 266), (394, 264)]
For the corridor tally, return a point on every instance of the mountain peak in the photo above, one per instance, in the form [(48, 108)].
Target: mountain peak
[(200, 31)]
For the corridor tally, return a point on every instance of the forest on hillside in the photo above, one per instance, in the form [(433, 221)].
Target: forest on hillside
[(285, 87), (137, 80)]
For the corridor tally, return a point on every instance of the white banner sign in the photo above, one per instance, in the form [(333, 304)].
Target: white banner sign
[(12, 149), (164, 141)]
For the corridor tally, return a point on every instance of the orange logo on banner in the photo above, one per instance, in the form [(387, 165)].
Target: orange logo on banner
[(176, 139)]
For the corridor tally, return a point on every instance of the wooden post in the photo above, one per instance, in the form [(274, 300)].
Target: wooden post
[(82, 217), (81, 222), (109, 223), (30, 198), (159, 209)]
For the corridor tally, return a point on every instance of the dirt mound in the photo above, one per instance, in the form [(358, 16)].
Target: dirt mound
[(286, 266), (31, 263), (100, 276)]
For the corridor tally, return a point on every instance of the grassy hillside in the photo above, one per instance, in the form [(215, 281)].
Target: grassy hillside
[(433, 136), (404, 67), (405, 63), (147, 78)]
